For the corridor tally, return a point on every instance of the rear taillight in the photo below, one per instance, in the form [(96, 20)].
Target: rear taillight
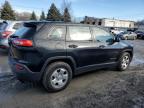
[(6, 34), (19, 67), (23, 42)]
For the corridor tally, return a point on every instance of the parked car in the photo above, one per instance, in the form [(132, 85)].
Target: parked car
[(7, 28), (140, 34), (128, 35), (52, 53), (116, 32)]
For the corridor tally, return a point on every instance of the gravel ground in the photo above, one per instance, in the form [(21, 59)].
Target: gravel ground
[(4, 67), (99, 89)]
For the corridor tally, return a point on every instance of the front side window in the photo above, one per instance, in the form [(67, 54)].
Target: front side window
[(101, 35), (57, 33), (78, 33)]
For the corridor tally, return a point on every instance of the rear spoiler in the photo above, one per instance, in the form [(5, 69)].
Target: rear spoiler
[(37, 26)]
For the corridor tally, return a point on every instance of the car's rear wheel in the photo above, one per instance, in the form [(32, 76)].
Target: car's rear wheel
[(57, 76), (124, 61)]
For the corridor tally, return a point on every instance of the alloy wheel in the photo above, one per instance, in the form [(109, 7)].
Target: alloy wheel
[(125, 62)]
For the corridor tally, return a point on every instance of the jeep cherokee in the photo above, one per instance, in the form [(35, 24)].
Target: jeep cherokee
[(53, 52)]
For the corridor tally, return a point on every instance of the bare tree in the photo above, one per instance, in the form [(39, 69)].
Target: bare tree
[(66, 10), (66, 4)]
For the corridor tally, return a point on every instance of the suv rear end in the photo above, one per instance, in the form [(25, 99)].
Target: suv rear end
[(29, 50), (22, 57)]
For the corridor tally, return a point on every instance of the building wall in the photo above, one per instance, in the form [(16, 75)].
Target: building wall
[(117, 23), (109, 22)]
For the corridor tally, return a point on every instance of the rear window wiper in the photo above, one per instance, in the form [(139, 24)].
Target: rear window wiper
[(13, 36)]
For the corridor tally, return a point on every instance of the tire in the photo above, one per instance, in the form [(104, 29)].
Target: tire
[(57, 76), (126, 38), (123, 65)]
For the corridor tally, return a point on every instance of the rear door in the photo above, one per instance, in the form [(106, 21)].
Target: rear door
[(79, 44)]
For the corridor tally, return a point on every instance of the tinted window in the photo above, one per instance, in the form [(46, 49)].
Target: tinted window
[(57, 33), (101, 35), (79, 33), (17, 26), (25, 32), (139, 32), (3, 26)]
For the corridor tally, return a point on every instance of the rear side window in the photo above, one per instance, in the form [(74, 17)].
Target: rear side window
[(17, 26), (78, 33), (25, 32), (57, 33), (3, 26), (101, 35)]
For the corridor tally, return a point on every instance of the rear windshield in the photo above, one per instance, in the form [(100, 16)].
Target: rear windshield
[(25, 32), (3, 26), (17, 26)]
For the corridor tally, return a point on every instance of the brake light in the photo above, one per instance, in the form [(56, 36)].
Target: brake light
[(23, 42), (19, 67), (6, 34)]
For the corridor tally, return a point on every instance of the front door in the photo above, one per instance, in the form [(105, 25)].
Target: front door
[(106, 50)]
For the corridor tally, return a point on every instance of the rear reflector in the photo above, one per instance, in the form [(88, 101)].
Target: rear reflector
[(6, 34), (23, 42)]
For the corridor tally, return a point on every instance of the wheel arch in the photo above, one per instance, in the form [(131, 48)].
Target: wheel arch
[(68, 60), (130, 51)]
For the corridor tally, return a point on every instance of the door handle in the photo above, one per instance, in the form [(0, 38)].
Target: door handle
[(101, 46), (72, 46)]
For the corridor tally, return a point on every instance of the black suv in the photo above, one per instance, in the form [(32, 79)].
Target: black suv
[(53, 52)]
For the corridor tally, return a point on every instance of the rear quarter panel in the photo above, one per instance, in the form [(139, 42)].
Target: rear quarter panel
[(48, 48)]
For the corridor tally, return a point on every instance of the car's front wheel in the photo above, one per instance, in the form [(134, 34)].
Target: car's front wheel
[(124, 61), (57, 76)]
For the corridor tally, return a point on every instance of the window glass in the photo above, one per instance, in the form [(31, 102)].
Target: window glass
[(24, 32), (17, 26), (3, 26), (101, 35), (58, 33), (80, 33)]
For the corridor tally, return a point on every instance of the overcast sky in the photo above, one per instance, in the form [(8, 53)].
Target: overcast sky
[(119, 9)]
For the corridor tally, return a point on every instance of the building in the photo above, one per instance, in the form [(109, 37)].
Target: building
[(109, 22)]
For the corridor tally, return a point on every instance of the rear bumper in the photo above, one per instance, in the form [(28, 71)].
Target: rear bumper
[(24, 73)]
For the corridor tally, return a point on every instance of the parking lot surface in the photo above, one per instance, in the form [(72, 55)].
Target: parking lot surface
[(99, 89), (4, 67)]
